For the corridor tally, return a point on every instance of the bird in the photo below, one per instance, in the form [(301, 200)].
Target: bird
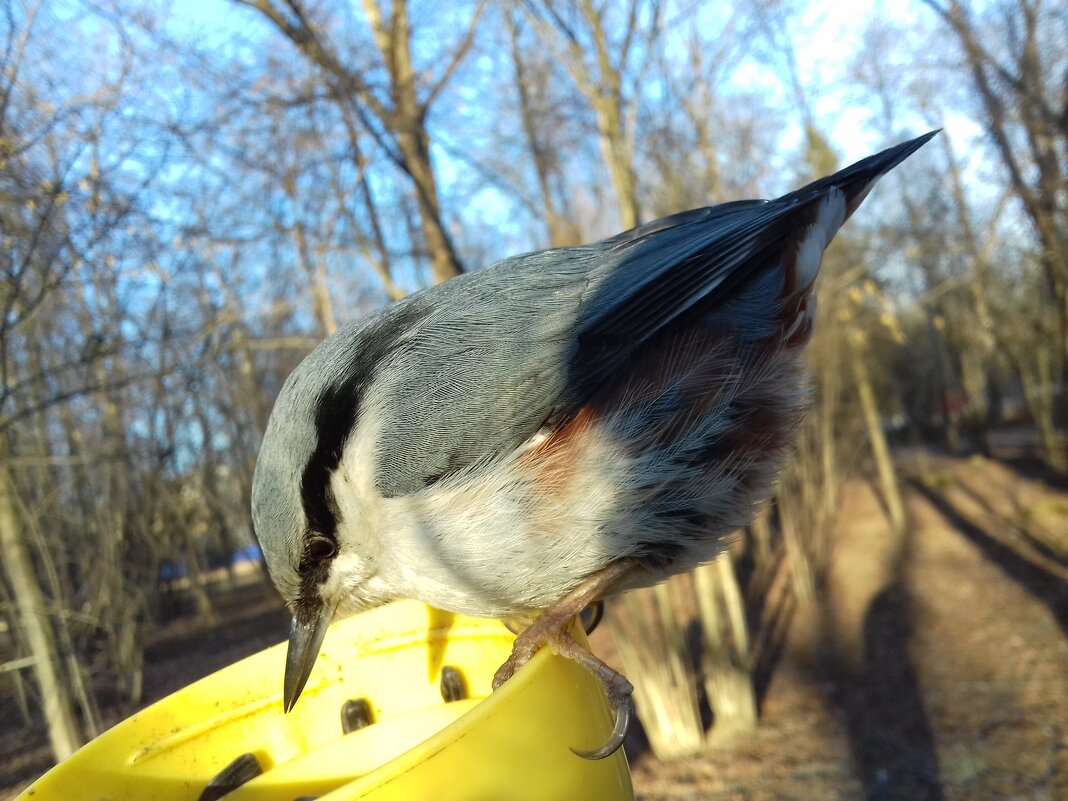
[(527, 439)]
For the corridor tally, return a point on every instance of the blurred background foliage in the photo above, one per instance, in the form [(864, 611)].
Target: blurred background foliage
[(193, 195)]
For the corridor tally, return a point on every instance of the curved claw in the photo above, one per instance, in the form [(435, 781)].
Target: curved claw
[(618, 735), (591, 616)]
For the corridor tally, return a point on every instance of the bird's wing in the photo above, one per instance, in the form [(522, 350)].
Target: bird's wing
[(485, 361), (704, 254)]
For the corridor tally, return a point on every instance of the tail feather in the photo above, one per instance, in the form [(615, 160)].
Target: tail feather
[(856, 180), (744, 270)]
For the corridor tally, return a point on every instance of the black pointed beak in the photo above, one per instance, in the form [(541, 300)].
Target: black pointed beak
[(304, 642)]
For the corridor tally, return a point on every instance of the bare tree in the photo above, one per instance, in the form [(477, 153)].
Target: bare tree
[(533, 77), (396, 117), (599, 57), (1015, 54)]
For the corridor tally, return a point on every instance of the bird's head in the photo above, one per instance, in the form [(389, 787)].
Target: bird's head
[(315, 545)]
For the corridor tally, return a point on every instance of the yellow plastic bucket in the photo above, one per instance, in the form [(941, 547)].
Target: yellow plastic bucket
[(412, 684)]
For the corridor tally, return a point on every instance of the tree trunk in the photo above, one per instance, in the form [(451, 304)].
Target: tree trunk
[(602, 87), (728, 680), (10, 618), (408, 122), (1039, 390), (561, 234), (414, 144), (63, 733), (618, 159), (802, 579), (760, 532), (652, 645), (405, 135), (880, 449), (315, 269), (606, 97)]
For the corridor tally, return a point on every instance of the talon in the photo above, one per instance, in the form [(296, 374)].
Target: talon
[(550, 629), (619, 733), (591, 616), (504, 672)]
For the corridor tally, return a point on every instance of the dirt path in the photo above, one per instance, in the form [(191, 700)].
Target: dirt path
[(990, 643), (935, 668)]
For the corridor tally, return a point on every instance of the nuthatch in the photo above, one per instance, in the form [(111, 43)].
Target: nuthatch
[(552, 429)]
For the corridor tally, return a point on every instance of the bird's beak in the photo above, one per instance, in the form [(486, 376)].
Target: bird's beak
[(304, 642)]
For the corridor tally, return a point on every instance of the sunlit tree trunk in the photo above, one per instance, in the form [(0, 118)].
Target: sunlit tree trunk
[(561, 232), (402, 118), (728, 680), (63, 733), (884, 465), (601, 81), (648, 629)]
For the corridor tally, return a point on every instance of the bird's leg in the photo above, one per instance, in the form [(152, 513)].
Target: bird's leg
[(557, 618), (551, 629), (590, 617)]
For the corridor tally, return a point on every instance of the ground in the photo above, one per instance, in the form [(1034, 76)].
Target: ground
[(936, 667)]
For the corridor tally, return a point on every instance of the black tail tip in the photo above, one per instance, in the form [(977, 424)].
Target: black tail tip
[(856, 179), (893, 156)]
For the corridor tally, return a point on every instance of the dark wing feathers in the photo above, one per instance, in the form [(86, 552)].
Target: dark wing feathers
[(701, 255), (500, 354), (857, 177)]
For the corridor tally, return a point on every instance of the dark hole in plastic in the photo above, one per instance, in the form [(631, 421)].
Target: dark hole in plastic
[(591, 616), (356, 714), (453, 685), (245, 768)]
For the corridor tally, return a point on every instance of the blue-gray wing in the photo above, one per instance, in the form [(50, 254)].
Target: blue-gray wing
[(469, 370), (482, 363)]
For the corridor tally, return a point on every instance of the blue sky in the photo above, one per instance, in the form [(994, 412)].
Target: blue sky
[(825, 42), (827, 38)]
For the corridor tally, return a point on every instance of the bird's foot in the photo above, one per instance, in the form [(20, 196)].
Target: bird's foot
[(620, 694), (590, 617), (551, 629), (545, 630)]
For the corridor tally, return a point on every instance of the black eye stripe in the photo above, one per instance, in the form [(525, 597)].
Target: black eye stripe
[(337, 410)]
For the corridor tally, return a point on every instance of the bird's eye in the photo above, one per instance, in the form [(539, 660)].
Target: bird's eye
[(320, 548)]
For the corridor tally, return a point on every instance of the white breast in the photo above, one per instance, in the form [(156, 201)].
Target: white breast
[(501, 540)]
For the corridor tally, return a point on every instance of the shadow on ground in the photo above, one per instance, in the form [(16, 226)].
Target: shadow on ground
[(1051, 590), (877, 695)]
